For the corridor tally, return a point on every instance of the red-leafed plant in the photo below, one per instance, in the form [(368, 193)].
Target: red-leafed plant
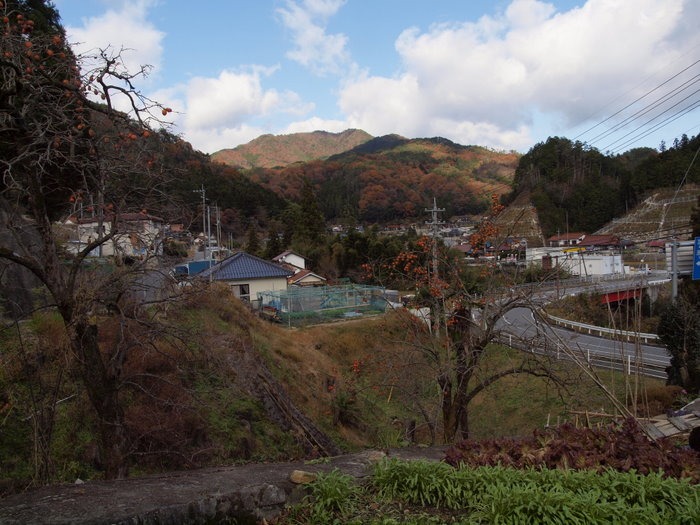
[(619, 446)]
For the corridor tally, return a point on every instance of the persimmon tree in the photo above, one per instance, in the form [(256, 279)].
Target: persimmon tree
[(74, 130), (465, 310)]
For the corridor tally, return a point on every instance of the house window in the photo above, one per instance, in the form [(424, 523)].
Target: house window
[(242, 291)]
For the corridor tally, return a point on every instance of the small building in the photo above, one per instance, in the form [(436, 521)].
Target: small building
[(582, 263), (659, 245), (248, 276), (566, 239), (306, 278), (292, 259), (601, 242), (136, 235)]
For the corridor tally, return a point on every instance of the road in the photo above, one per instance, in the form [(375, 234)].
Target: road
[(521, 328)]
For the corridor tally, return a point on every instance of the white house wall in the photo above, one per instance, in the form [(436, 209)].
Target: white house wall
[(581, 264), (261, 285), (143, 238)]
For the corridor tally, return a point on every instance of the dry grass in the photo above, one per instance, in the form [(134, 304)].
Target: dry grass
[(393, 380)]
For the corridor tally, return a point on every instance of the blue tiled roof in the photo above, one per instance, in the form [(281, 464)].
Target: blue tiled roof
[(243, 266)]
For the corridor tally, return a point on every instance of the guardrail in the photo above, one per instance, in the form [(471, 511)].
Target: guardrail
[(629, 364), (601, 331)]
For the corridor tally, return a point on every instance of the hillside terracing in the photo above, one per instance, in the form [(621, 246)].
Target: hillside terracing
[(519, 221), (662, 215)]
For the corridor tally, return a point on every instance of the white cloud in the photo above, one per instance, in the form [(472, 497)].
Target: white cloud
[(491, 82), (210, 140), (316, 50), (316, 124), (482, 82), (209, 111), (123, 27)]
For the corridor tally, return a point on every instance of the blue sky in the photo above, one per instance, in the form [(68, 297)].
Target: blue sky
[(504, 74)]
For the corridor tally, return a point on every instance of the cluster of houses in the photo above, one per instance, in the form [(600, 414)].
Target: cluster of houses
[(577, 253), (248, 275), (141, 236)]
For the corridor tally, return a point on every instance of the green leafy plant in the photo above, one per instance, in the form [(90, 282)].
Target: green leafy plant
[(333, 496), (423, 492)]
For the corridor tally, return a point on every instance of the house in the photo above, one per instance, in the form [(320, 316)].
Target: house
[(659, 245), (601, 242), (566, 239), (136, 234), (306, 278), (291, 259), (248, 275)]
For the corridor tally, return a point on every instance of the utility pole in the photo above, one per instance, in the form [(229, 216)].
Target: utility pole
[(674, 269), (434, 224), (204, 220), (217, 218)]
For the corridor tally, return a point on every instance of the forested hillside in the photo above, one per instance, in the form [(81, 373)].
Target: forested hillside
[(579, 188), (392, 179), (268, 151)]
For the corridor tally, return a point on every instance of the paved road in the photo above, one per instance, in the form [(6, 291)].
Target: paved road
[(520, 325)]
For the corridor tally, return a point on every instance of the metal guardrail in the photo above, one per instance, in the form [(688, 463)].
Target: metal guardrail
[(601, 331), (628, 364)]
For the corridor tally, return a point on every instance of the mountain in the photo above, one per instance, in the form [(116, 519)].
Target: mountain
[(392, 179), (268, 151), (578, 188)]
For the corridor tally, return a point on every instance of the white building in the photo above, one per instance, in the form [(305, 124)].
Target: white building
[(135, 234), (576, 262)]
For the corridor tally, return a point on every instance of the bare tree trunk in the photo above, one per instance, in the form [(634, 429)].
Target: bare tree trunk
[(102, 389), (449, 419)]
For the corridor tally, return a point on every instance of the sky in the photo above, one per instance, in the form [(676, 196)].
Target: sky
[(504, 74)]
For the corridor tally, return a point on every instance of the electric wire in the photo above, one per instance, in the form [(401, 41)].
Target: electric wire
[(661, 108), (637, 100), (650, 107), (666, 121), (663, 123)]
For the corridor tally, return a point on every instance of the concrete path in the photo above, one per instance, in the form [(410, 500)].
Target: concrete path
[(249, 493)]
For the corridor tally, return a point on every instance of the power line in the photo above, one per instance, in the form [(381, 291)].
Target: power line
[(667, 104), (656, 127), (637, 100), (650, 107)]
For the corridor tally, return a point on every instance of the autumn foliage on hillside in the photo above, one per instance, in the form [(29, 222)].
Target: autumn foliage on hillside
[(395, 183), (268, 151)]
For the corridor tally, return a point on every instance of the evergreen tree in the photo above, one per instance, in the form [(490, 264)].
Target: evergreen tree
[(679, 330), (252, 243), (273, 247), (312, 224)]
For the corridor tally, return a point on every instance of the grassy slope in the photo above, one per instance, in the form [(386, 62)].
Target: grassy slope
[(360, 381), (393, 380)]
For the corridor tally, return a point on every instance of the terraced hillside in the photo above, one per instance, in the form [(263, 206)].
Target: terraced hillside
[(520, 221), (665, 213)]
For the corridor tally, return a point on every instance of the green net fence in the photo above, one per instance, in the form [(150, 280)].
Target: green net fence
[(299, 306)]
